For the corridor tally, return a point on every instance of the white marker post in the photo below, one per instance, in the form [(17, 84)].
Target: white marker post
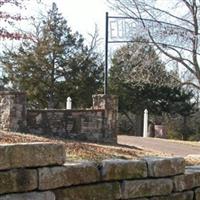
[(69, 103), (145, 127)]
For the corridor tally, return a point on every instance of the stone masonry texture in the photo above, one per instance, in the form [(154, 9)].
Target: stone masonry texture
[(96, 124), (21, 155), (197, 194), (67, 175), (189, 195), (30, 196), (147, 188), (47, 176), (107, 191), (162, 167), (123, 169), (187, 181), (86, 125), (12, 111), (18, 180)]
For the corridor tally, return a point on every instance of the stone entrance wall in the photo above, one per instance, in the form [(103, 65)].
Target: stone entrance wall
[(39, 171), (97, 124), (77, 124), (12, 111)]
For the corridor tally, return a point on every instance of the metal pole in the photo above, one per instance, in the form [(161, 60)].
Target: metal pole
[(106, 58)]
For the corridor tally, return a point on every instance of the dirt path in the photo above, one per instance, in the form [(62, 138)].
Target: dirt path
[(161, 145)]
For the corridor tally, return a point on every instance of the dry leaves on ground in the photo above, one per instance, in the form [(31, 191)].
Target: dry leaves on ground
[(89, 151)]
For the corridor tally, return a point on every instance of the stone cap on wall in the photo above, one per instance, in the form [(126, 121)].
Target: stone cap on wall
[(37, 171), (31, 155), (105, 101), (105, 95), (65, 110)]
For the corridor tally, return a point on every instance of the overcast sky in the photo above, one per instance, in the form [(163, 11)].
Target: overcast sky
[(82, 15)]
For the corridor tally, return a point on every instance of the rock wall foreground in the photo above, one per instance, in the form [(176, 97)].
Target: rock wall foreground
[(39, 171)]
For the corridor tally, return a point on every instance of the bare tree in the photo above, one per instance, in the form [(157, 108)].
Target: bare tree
[(10, 16), (172, 26)]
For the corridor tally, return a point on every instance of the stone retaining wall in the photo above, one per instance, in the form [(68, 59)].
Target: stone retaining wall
[(97, 124), (39, 171), (77, 124), (12, 110)]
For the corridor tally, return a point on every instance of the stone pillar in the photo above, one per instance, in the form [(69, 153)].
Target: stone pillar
[(12, 111), (108, 103)]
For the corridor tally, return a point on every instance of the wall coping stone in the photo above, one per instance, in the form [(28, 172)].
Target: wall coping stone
[(65, 110), (39, 171), (195, 168), (164, 167), (31, 155), (104, 95)]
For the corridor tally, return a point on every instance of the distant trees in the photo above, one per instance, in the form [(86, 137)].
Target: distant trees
[(55, 65), (140, 79), (172, 27)]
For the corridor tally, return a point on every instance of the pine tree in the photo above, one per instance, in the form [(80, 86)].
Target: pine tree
[(137, 72), (141, 81), (56, 65)]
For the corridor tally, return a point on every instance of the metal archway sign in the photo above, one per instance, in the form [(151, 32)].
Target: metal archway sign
[(117, 30), (124, 29)]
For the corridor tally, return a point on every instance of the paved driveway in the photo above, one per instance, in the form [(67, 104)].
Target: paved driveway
[(161, 145)]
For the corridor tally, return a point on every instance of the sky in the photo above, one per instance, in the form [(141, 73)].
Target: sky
[(82, 15)]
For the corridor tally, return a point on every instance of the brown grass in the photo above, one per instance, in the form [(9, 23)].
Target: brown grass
[(89, 151)]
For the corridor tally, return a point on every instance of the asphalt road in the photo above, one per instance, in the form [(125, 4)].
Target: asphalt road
[(159, 145)]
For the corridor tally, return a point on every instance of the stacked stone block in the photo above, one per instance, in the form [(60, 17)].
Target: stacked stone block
[(96, 124), (108, 103), (12, 111), (85, 125), (39, 171)]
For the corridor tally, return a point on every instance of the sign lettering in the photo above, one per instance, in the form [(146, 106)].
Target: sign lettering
[(121, 29)]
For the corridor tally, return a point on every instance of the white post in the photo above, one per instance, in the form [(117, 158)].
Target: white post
[(145, 127), (69, 103)]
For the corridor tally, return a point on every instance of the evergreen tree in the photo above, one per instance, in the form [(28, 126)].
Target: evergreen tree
[(56, 65), (141, 81)]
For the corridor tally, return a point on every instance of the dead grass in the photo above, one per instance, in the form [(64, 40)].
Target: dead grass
[(88, 151), (81, 150)]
